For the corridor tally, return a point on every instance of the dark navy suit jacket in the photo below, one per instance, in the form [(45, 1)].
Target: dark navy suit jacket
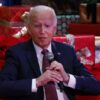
[(22, 66)]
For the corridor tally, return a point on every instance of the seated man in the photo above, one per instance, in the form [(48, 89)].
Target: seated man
[(43, 69)]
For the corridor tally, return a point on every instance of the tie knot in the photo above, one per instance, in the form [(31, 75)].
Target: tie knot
[(44, 51)]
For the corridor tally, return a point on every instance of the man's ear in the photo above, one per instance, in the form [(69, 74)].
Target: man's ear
[(55, 30)]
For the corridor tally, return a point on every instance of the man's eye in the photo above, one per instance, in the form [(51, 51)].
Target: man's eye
[(47, 25)]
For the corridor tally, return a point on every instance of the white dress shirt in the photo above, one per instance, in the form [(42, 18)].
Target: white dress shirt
[(71, 83)]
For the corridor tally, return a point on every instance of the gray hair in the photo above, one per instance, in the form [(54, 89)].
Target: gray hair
[(39, 9)]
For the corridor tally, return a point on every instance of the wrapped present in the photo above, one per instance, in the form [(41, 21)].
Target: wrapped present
[(13, 14), (90, 13)]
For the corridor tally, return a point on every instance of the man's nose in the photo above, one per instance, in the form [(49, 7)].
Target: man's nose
[(43, 29)]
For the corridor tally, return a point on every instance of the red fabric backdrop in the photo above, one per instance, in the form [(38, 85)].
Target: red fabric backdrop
[(86, 29)]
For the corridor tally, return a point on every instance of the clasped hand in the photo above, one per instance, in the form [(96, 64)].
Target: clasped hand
[(54, 73)]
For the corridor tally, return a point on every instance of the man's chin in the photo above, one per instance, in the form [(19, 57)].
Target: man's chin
[(44, 44)]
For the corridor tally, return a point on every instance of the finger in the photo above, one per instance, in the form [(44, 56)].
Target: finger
[(57, 76), (49, 76), (52, 75), (53, 65), (56, 66)]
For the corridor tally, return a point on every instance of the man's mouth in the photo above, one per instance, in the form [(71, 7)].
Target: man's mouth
[(42, 37)]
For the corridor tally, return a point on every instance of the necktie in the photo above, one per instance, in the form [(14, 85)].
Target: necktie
[(50, 90)]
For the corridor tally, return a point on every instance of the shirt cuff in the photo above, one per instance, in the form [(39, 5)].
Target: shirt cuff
[(72, 82), (34, 87)]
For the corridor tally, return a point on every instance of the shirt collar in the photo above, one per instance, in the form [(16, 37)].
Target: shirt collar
[(39, 49)]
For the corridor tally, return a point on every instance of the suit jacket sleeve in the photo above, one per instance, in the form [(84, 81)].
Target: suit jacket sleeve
[(85, 81), (10, 83)]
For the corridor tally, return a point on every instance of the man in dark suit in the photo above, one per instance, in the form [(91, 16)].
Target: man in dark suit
[(22, 77)]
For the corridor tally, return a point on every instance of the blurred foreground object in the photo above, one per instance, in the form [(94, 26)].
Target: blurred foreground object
[(90, 13)]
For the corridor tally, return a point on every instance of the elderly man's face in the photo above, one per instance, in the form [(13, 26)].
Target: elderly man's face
[(42, 28)]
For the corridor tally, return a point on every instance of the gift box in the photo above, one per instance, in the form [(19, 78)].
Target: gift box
[(12, 14), (90, 13)]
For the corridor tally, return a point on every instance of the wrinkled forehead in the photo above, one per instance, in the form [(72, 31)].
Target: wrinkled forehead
[(42, 16)]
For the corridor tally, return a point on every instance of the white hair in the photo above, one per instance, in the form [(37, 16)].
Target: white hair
[(42, 8)]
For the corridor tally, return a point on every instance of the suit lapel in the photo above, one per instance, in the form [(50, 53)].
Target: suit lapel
[(56, 52), (59, 56), (32, 58)]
